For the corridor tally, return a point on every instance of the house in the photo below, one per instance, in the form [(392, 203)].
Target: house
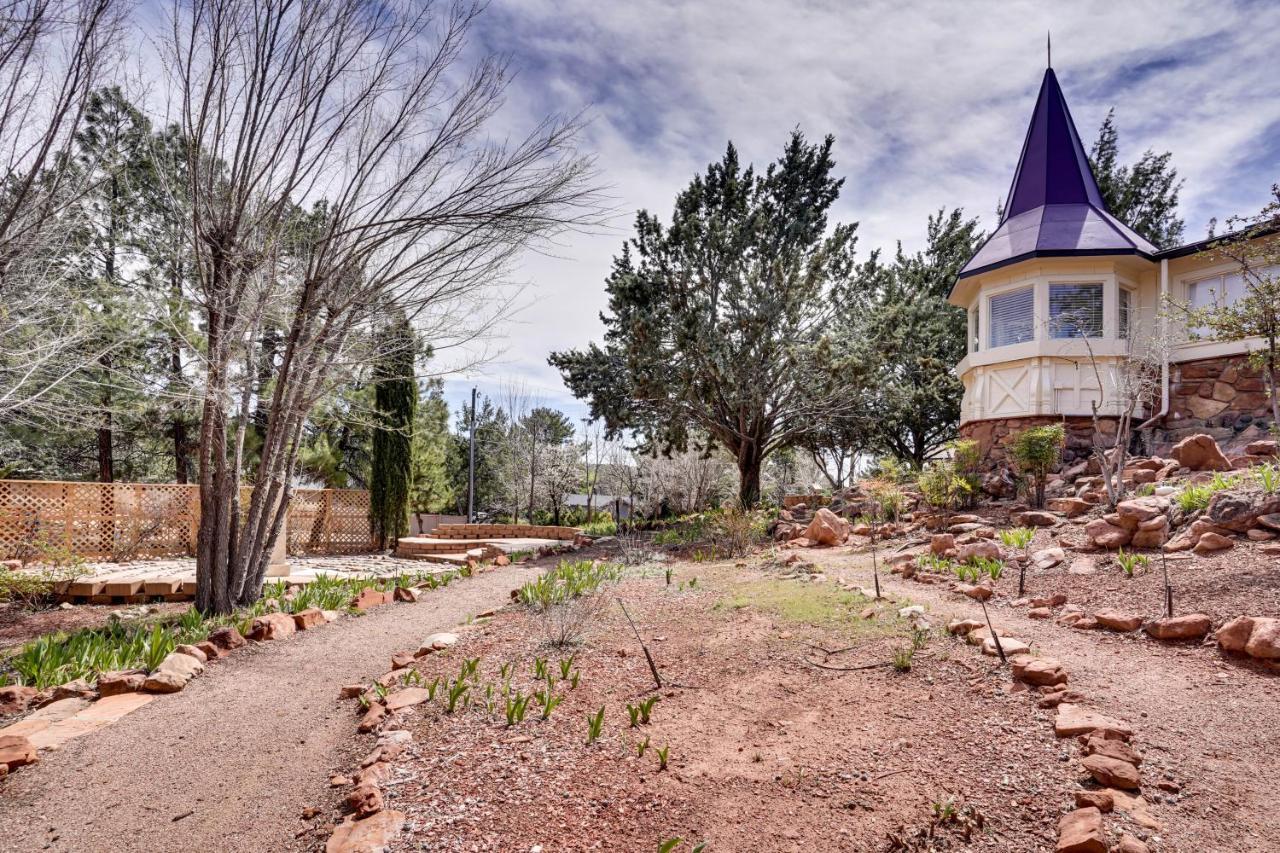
[(616, 506), (1063, 296)]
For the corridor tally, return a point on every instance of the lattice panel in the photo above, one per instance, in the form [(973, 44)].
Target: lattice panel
[(121, 521), (329, 521)]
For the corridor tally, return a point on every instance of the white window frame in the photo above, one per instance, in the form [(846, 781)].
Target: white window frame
[(1124, 317), (1028, 288), (1100, 286)]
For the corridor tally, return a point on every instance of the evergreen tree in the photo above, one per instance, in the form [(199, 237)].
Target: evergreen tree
[(716, 322), (1143, 196), (907, 340), (395, 399), (430, 489)]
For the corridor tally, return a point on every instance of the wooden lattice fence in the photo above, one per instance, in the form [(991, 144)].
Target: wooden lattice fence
[(120, 521)]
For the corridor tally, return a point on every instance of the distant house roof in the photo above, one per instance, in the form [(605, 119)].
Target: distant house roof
[(596, 500), (1054, 208)]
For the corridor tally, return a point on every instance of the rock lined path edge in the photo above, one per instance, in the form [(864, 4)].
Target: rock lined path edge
[(230, 762)]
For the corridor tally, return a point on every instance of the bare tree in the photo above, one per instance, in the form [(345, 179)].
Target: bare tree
[(53, 55), (338, 164)]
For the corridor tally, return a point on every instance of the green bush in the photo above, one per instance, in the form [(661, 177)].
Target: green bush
[(1036, 451)]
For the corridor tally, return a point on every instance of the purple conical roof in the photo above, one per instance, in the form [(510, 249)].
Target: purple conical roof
[(1054, 206)]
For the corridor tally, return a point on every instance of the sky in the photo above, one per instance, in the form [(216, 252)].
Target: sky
[(928, 103)]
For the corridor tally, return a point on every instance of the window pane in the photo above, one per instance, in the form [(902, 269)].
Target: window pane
[(974, 336), (1012, 317), (1075, 310), (1125, 308)]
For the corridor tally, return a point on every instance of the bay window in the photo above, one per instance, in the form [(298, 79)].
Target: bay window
[(1012, 317), (1075, 310)]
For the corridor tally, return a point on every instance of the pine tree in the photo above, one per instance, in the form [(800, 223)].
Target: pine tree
[(1143, 196), (717, 322), (395, 399), (430, 489)]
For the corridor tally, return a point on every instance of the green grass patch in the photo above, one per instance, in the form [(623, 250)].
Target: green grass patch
[(818, 604)]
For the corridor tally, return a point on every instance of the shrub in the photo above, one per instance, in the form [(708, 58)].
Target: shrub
[(1036, 451), (889, 499), (942, 487), (734, 531), (568, 598)]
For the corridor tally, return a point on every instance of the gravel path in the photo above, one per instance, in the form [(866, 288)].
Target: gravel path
[(1208, 721), (229, 763)]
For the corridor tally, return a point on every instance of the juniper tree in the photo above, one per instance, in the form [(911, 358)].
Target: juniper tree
[(1143, 195), (716, 321), (395, 402)]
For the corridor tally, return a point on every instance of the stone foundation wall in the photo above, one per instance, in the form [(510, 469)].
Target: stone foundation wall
[(995, 435), (1222, 397)]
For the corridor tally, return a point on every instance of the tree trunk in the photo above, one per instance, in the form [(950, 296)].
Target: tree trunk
[(106, 461), (750, 465)]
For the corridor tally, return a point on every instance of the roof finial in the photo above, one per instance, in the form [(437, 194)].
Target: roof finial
[(1048, 47)]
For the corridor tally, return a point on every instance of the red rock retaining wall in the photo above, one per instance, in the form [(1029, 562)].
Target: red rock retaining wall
[(503, 531), (1223, 397), (995, 435)]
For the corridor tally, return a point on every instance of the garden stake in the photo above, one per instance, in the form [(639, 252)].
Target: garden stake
[(994, 636), (1168, 590), (652, 668)]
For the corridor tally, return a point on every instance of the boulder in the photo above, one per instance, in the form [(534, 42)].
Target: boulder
[(16, 751), (436, 642), (1192, 626), (409, 595), (1100, 800), (305, 620), (985, 549), (15, 698), (1070, 507), (365, 799), (1143, 509), (121, 681), (977, 592), (1210, 542), (1114, 620), (1234, 636), (1112, 772), (827, 528), (173, 674), (1237, 511), (370, 597), (942, 544), (1106, 535), (1264, 640), (187, 649), (372, 834), (1075, 720), (1080, 831), (400, 660), (1047, 558), (1200, 453), (965, 626), (1152, 533), (1130, 844), (227, 638), (272, 626), (1010, 646), (1042, 672), (1038, 518)]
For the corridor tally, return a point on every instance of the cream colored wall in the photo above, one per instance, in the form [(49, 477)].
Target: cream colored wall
[(1048, 376), (1183, 272)]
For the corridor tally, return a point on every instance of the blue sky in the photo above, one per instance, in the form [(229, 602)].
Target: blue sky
[(928, 103)]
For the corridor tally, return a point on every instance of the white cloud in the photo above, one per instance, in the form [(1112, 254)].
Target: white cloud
[(928, 104)]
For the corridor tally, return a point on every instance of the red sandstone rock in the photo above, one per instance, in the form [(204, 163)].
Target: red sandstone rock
[(1209, 542), (1200, 453), (827, 528), (365, 799), (1080, 831), (312, 617), (1106, 535), (1192, 626), (1100, 800), (1117, 621), (15, 698), (942, 544), (1264, 640), (1075, 720), (272, 626), (227, 638), (16, 751), (1234, 636), (373, 833), (400, 660), (370, 597), (1112, 772), (1043, 672), (126, 681), (984, 549)]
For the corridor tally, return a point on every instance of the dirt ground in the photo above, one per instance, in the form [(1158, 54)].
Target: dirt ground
[(1206, 722), (231, 762), (766, 750)]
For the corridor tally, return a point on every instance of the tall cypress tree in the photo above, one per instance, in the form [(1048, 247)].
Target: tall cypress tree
[(395, 400)]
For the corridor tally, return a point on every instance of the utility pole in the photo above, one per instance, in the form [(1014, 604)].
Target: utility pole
[(471, 467)]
